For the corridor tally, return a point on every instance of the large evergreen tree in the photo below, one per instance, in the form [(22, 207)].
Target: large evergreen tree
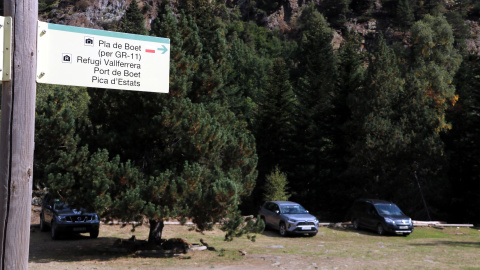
[(315, 89), (133, 20), (463, 145), (274, 127), (61, 114), (378, 124), (195, 158), (402, 122)]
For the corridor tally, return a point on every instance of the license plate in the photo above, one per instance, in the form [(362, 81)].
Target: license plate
[(403, 227), (306, 228), (79, 229)]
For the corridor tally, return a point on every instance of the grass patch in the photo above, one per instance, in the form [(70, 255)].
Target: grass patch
[(343, 248)]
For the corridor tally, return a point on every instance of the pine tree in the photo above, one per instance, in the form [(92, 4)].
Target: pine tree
[(336, 11), (428, 7), (61, 114), (434, 63), (429, 93), (274, 128), (350, 81), (133, 20), (276, 186), (377, 122), (462, 143), (211, 52), (314, 158), (197, 160), (315, 90), (404, 14)]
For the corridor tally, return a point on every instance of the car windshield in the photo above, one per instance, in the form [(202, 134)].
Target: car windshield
[(388, 209), (293, 209), (61, 206)]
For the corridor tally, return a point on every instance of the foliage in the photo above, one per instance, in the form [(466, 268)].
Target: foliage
[(236, 226), (462, 143), (196, 158), (315, 89), (404, 13), (365, 119), (402, 114), (378, 122), (276, 186), (44, 5), (361, 6), (274, 129), (133, 21), (60, 116), (336, 11)]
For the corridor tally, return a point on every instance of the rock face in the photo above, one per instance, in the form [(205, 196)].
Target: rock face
[(286, 16), (99, 14), (104, 14), (473, 43)]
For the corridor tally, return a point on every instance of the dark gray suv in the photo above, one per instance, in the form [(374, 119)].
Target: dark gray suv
[(288, 218), (380, 216), (61, 218)]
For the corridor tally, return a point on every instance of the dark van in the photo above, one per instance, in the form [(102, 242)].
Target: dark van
[(380, 216)]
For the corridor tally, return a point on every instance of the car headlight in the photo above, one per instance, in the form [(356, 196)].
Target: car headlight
[(95, 217), (61, 218), (292, 220), (389, 220)]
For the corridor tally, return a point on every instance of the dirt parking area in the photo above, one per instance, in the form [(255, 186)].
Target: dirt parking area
[(332, 248)]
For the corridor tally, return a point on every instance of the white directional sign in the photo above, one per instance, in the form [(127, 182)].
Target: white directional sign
[(77, 56)]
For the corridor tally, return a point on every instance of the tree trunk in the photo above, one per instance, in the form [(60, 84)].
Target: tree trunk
[(156, 229)]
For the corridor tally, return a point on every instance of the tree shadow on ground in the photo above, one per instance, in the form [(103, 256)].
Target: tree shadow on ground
[(69, 248), (363, 232)]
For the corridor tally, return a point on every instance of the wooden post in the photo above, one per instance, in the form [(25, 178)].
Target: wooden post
[(17, 137)]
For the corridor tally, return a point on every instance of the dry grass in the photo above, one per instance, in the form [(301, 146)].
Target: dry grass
[(430, 248)]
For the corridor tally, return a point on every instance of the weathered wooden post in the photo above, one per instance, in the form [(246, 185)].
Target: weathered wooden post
[(17, 136)]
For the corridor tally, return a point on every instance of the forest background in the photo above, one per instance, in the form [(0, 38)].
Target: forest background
[(343, 98)]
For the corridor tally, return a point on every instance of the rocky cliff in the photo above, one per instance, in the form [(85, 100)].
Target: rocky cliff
[(104, 14)]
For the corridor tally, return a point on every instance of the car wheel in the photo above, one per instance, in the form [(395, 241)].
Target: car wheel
[(94, 234), (356, 226), (264, 222), (283, 229), (43, 227), (380, 229), (53, 230)]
